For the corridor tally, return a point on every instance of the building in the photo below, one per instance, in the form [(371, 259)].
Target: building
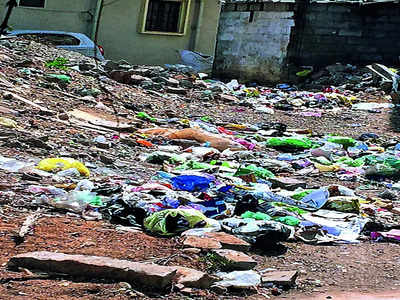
[(139, 31), (259, 39)]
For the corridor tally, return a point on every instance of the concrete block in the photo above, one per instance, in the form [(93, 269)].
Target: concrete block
[(283, 278), (95, 267), (236, 260)]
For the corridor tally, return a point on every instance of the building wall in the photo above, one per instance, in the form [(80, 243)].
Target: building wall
[(252, 41), (330, 33), (76, 16), (119, 28), (121, 39)]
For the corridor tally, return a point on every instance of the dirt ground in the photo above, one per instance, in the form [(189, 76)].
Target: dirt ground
[(324, 271), (365, 267)]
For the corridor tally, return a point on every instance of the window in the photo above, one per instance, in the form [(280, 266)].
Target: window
[(32, 3), (165, 17)]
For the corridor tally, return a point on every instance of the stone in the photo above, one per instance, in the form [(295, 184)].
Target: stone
[(106, 159), (396, 210), (174, 90), (287, 183), (192, 250), (282, 278), (187, 291), (229, 241), (186, 83), (194, 279), (138, 79), (201, 242), (228, 98), (86, 66), (179, 286), (95, 267), (236, 260), (121, 76), (221, 290), (172, 82)]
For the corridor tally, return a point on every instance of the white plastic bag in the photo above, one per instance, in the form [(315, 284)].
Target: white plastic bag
[(198, 61)]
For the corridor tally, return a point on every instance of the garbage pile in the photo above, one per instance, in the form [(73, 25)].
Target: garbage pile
[(230, 178), (172, 153)]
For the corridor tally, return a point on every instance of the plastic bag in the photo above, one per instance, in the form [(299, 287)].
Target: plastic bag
[(173, 221), (316, 199), (8, 122), (51, 164), (291, 143), (191, 183), (344, 204), (345, 141), (198, 61)]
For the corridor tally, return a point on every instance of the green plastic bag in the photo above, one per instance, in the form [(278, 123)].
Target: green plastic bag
[(292, 143), (290, 208), (342, 140), (257, 171), (193, 165), (288, 220), (145, 116), (165, 222), (255, 215), (301, 195), (225, 164), (59, 77), (351, 162)]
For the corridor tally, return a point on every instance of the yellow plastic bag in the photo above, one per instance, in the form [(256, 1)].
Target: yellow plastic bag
[(323, 168), (8, 122), (49, 164)]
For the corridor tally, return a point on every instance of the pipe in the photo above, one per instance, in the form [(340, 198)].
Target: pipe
[(198, 18), (96, 19), (11, 4)]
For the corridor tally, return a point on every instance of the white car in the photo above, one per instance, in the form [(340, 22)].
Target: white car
[(72, 41)]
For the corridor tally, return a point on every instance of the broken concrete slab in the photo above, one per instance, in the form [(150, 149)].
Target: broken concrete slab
[(95, 120), (236, 260), (194, 279), (201, 242), (225, 240), (95, 267), (229, 241), (283, 278)]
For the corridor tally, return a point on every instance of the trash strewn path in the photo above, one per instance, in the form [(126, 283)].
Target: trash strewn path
[(209, 189)]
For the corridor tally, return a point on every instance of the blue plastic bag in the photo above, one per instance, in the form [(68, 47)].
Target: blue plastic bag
[(190, 183)]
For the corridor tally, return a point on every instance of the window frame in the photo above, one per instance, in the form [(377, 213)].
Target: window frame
[(34, 7), (182, 22)]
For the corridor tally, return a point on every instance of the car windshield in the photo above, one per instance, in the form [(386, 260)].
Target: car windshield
[(52, 39)]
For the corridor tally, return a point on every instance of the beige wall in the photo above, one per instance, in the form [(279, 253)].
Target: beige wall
[(119, 28), (71, 15), (119, 35)]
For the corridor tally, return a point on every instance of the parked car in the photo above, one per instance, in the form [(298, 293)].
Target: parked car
[(72, 41)]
